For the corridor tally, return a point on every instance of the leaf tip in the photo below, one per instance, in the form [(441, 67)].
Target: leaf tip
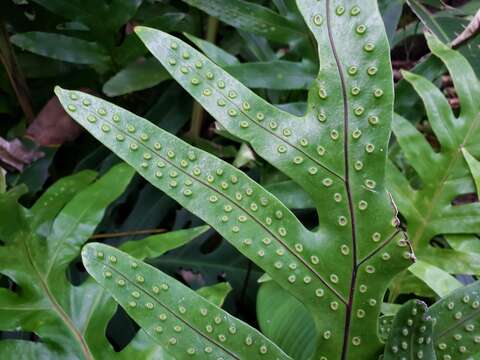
[(407, 75), (140, 30), (58, 91), (90, 251)]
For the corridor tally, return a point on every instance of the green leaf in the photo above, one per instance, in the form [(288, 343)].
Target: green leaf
[(132, 48), (68, 319), (106, 16), (285, 320), (137, 76), (336, 153), (385, 324), (215, 294), (444, 175), (215, 53), (277, 75), (411, 334), (46, 302), (464, 243), (177, 318), (156, 245), (291, 195), (474, 166), (61, 47), (437, 279), (251, 17), (428, 20), (391, 14), (48, 205), (456, 320), (22, 349)]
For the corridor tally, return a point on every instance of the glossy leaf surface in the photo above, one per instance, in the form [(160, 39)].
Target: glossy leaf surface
[(411, 334), (47, 302), (285, 320), (177, 318), (61, 47), (457, 322), (336, 153), (46, 238), (251, 17)]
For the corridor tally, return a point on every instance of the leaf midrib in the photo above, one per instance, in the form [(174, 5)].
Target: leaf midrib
[(154, 298), (240, 109), (254, 218), (55, 305), (439, 190)]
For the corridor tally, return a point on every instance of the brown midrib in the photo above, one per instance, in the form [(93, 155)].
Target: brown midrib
[(56, 306), (242, 208), (348, 310)]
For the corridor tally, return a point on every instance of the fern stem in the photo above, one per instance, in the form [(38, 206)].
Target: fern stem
[(198, 113)]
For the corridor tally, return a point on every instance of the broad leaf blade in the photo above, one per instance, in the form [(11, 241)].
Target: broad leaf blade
[(173, 315), (54, 199), (411, 334), (49, 305), (252, 219), (274, 134), (438, 280), (430, 209), (336, 153), (61, 47), (286, 321), (251, 17), (135, 77), (456, 322)]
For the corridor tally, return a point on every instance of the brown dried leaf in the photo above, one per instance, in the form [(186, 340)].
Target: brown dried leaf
[(472, 30), (15, 155), (53, 126)]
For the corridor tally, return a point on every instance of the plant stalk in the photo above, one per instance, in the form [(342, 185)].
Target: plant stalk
[(14, 73), (198, 113)]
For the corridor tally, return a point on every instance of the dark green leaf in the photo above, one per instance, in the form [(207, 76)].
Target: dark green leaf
[(61, 47), (138, 76), (251, 17), (456, 321)]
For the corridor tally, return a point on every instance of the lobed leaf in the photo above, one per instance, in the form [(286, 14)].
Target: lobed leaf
[(252, 219), (336, 152), (251, 17), (68, 319), (177, 318), (48, 205), (46, 302), (429, 209)]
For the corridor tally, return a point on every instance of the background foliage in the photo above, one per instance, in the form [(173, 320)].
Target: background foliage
[(90, 45)]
